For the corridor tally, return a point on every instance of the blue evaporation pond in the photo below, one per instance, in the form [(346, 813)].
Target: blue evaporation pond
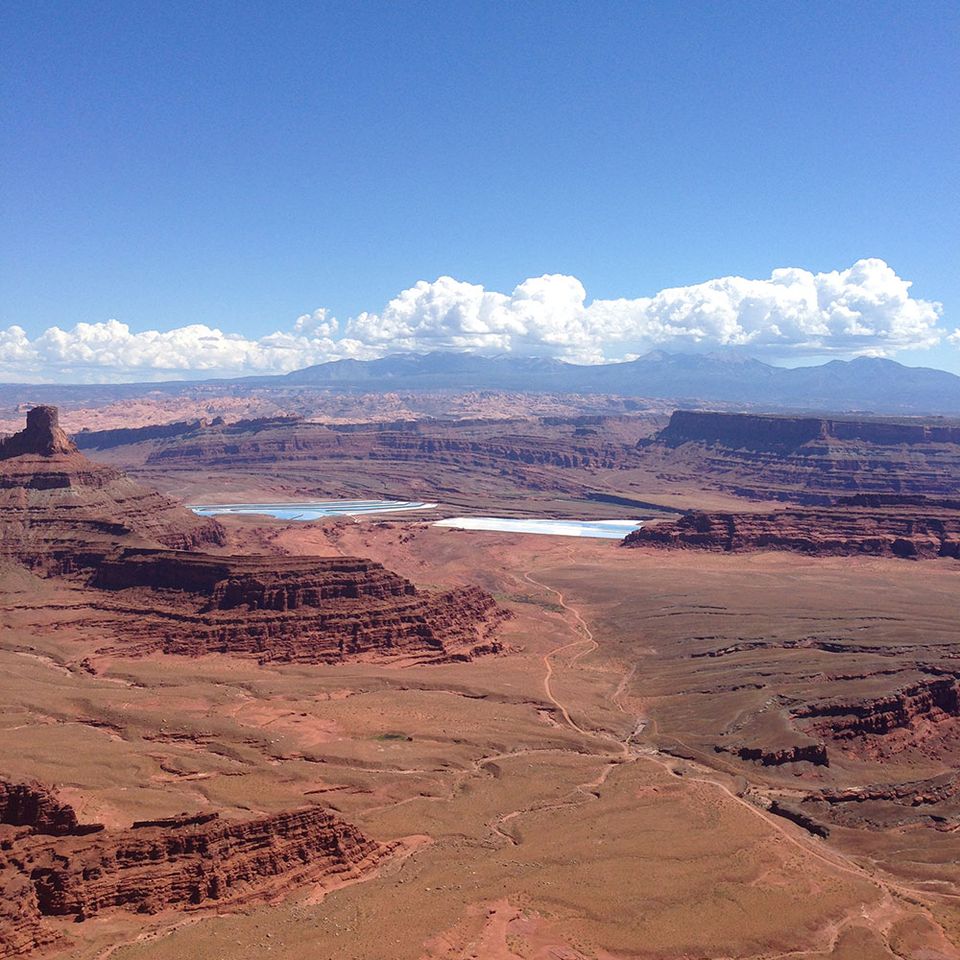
[(602, 529), (310, 509)]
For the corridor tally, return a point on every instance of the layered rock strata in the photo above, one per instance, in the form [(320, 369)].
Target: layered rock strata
[(914, 532), (474, 442), (808, 460), (182, 863), (33, 806), (60, 511), (306, 610), (933, 701)]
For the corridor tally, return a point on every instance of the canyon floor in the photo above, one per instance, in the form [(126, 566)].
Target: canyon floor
[(580, 795)]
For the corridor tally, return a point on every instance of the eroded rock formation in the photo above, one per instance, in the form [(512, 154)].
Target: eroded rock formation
[(42, 436), (808, 460), (33, 806), (183, 863), (59, 510), (910, 531), (935, 700), (305, 609), (815, 753)]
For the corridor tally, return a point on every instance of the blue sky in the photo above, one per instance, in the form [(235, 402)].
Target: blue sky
[(238, 166)]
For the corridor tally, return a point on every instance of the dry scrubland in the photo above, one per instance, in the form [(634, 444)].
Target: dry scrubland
[(676, 754), (540, 816)]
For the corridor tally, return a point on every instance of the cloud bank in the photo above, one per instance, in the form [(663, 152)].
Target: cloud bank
[(866, 309)]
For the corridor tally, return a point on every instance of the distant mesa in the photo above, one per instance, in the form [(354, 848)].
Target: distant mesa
[(808, 460), (762, 431)]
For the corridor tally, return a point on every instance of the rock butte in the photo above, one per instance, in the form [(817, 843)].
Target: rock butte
[(59, 510)]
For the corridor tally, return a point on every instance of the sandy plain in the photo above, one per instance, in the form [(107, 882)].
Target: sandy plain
[(562, 800)]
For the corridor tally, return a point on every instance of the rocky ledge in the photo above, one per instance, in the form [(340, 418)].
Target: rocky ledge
[(934, 801), (182, 863), (304, 610), (922, 711), (909, 531)]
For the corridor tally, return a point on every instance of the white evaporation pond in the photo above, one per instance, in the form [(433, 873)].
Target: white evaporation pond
[(310, 509), (602, 529)]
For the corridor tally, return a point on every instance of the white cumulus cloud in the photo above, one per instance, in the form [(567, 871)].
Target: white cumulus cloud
[(866, 309)]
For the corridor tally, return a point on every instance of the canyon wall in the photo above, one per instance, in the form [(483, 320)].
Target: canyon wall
[(476, 442), (807, 460)]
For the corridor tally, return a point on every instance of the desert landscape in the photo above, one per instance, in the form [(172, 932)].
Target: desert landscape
[(479, 480), (733, 734)]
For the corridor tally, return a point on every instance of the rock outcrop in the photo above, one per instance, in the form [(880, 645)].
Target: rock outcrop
[(42, 436), (809, 460), (60, 510), (33, 806), (815, 753), (934, 801), (305, 610), (182, 863), (936, 700), (907, 531)]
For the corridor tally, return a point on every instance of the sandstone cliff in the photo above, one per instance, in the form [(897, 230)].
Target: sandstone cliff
[(59, 510), (893, 531), (808, 460), (182, 863), (304, 609)]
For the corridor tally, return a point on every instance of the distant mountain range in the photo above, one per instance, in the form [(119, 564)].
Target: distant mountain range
[(864, 385)]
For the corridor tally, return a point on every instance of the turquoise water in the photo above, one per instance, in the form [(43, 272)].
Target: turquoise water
[(602, 529), (310, 509)]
